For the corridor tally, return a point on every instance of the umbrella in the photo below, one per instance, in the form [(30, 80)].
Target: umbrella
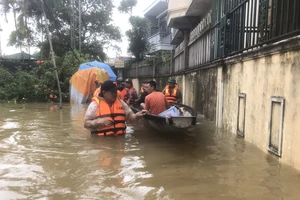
[(82, 84), (109, 71)]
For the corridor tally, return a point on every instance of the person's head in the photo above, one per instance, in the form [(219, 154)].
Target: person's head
[(151, 86), (172, 82), (144, 84), (128, 83), (119, 81), (109, 91)]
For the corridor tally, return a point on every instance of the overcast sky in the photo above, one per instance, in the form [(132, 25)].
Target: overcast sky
[(120, 20)]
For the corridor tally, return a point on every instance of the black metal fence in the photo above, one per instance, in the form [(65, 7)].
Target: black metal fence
[(232, 27), (241, 25)]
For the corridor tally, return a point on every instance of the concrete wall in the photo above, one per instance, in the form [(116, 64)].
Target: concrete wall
[(237, 94), (261, 79)]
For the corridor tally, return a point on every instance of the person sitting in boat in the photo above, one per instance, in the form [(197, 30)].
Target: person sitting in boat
[(155, 101), (106, 114), (141, 100), (129, 94), (143, 87), (172, 93)]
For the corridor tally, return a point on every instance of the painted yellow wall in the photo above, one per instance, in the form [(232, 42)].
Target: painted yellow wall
[(260, 79)]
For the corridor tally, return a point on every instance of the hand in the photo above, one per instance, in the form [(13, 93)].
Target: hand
[(141, 113), (107, 122)]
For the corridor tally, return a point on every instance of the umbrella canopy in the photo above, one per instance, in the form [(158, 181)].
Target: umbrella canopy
[(100, 65), (82, 84)]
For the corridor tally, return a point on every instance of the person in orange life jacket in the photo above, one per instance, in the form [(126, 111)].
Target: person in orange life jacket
[(106, 114), (129, 94), (120, 85), (172, 93), (98, 90)]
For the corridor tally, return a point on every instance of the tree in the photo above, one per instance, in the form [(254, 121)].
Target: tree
[(21, 36), (126, 6), (96, 16), (138, 37)]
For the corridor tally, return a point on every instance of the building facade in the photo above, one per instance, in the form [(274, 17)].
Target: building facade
[(159, 33)]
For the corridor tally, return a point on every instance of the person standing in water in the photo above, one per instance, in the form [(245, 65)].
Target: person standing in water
[(107, 114)]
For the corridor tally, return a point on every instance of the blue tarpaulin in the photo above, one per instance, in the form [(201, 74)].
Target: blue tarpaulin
[(111, 74)]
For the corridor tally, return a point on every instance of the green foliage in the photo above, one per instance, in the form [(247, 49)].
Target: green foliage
[(97, 30), (39, 83), (138, 37), (126, 6)]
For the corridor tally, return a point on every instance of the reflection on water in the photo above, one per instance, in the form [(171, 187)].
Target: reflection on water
[(45, 153)]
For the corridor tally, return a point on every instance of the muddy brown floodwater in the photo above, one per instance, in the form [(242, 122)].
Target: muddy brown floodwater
[(46, 153)]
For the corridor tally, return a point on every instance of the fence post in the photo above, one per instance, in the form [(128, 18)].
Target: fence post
[(186, 49), (136, 69), (172, 60), (154, 67)]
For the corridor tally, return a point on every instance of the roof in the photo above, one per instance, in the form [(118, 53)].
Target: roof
[(21, 56)]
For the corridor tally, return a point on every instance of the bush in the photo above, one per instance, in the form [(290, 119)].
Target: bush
[(39, 83)]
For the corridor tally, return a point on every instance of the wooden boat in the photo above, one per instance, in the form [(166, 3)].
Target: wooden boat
[(170, 124)]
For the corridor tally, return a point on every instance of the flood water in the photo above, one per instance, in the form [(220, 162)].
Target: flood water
[(45, 153)]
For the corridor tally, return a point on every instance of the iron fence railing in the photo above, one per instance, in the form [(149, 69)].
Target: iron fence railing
[(145, 71), (131, 72), (242, 25), (162, 69), (199, 43)]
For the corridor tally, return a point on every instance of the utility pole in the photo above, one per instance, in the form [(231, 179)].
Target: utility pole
[(79, 24), (0, 42), (52, 53), (72, 28)]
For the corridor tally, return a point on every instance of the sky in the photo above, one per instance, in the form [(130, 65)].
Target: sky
[(120, 20)]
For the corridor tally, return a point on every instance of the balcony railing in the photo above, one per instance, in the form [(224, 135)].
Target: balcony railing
[(157, 39)]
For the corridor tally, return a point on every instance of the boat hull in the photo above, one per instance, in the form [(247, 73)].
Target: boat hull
[(170, 125)]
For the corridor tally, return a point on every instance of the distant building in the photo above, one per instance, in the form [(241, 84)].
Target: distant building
[(114, 63), (159, 33), (20, 56)]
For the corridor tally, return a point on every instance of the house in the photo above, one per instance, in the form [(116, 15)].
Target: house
[(20, 56), (159, 33), (185, 15)]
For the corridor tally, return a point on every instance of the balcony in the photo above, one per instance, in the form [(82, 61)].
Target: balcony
[(177, 37), (156, 8), (185, 14), (159, 43)]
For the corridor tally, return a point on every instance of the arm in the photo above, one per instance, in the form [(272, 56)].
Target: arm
[(90, 121), (130, 116), (147, 107), (141, 99)]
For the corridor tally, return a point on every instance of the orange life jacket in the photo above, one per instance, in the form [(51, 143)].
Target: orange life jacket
[(116, 113), (171, 98), (125, 96)]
